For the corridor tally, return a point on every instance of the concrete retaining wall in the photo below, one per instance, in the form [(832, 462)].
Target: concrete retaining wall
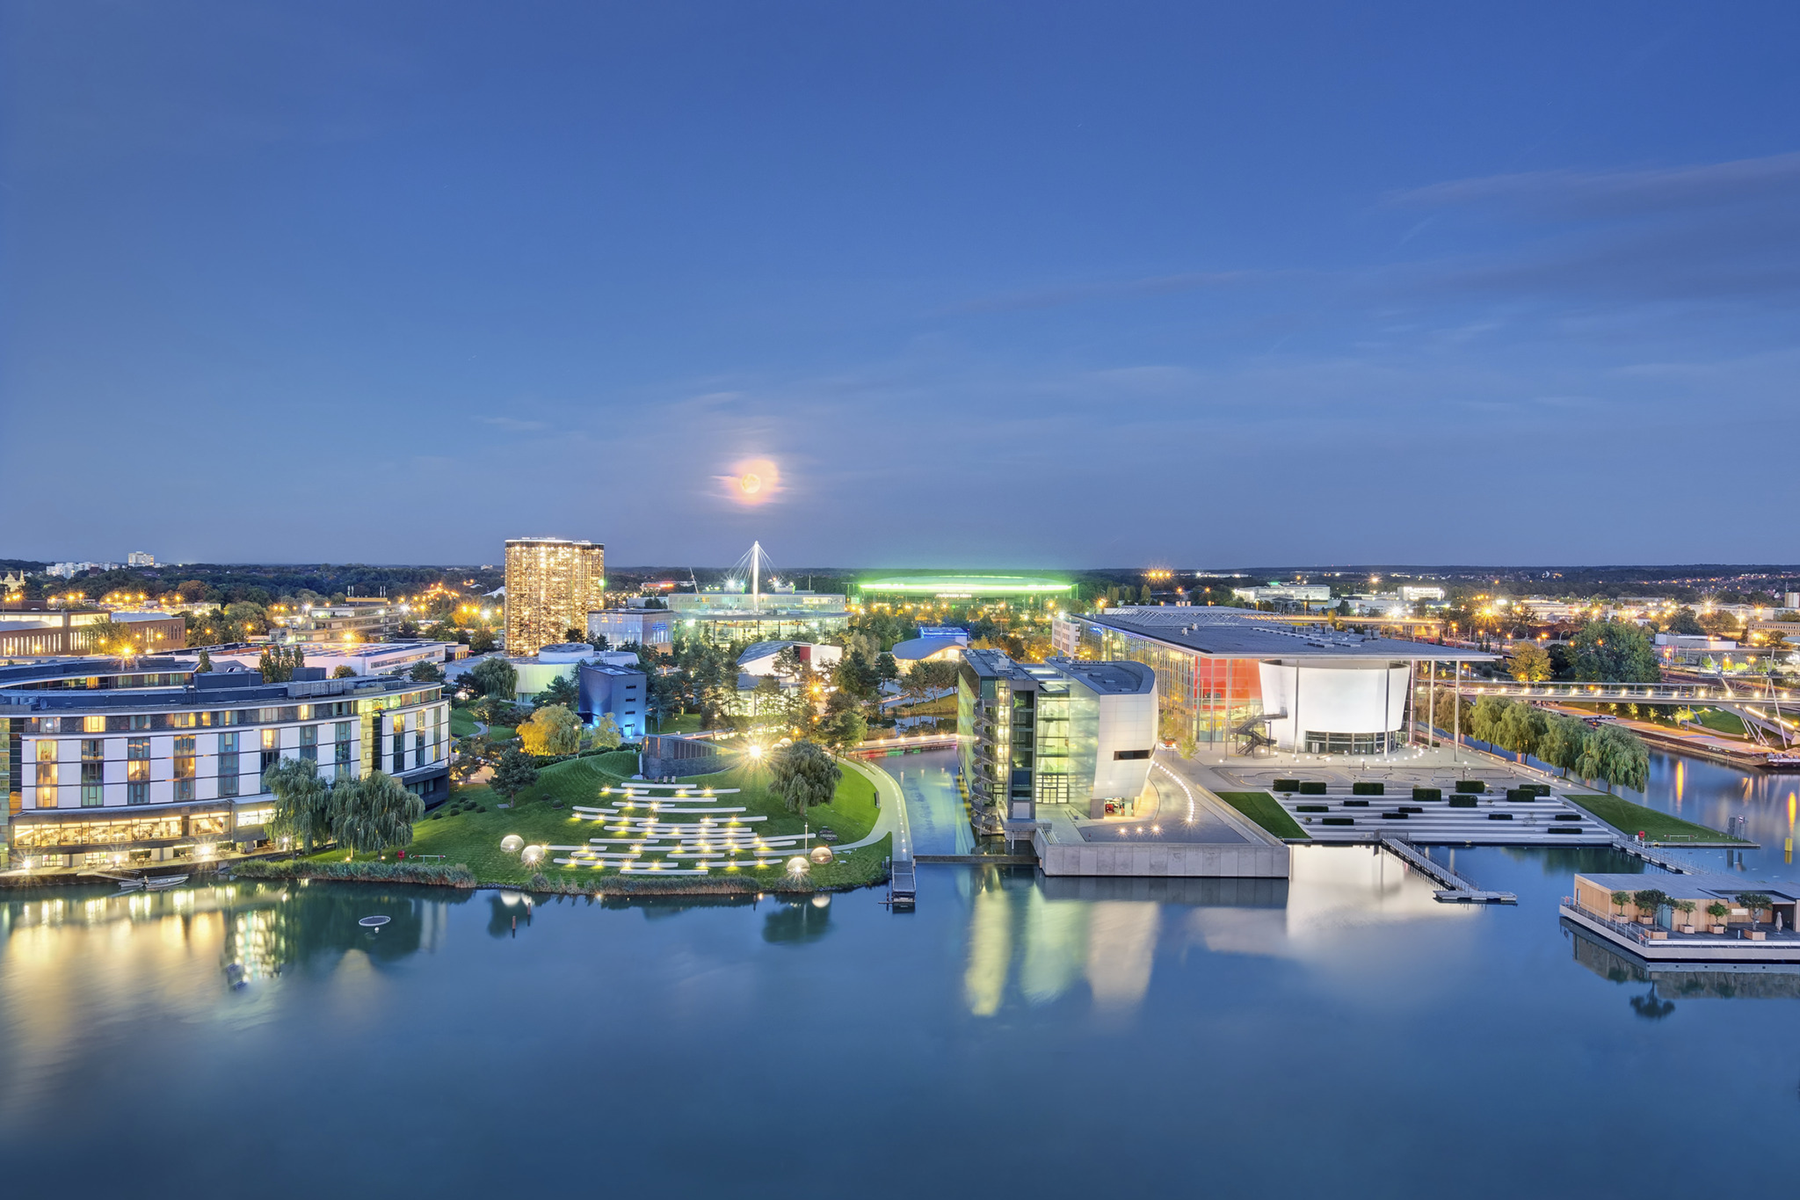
[(1202, 860)]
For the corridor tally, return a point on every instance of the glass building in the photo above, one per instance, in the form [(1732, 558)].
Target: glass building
[(1245, 679), (551, 587)]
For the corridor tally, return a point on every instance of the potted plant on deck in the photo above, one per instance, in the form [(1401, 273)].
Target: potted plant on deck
[(1718, 912), (1687, 915), (1620, 900), (1647, 902), (1755, 902)]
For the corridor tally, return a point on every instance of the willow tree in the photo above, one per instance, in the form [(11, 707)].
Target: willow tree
[(302, 801), (374, 813), (804, 775)]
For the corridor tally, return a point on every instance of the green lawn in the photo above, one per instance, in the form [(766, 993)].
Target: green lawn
[(468, 828), (462, 723), (1656, 826), (1721, 722), (1262, 808), (685, 723)]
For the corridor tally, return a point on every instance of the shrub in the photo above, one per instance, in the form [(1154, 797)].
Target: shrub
[(1411, 808), (1542, 789), (1338, 821), (1312, 808), (1520, 795), (1312, 787), (1499, 816), (1563, 829), (1356, 804), (1394, 816), (1369, 789), (1462, 802), (1568, 816), (1427, 794), (371, 872), (1469, 787), (1287, 785)]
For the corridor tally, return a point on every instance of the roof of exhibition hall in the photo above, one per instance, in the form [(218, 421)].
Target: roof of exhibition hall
[(1223, 632)]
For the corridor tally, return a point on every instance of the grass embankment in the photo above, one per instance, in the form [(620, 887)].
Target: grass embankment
[(467, 831), (1262, 808), (1656, 826)]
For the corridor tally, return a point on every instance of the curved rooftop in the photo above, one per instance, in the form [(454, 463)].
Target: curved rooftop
[(958, 587)]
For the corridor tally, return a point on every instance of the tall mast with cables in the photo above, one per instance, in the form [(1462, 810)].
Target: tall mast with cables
[(756, 576)]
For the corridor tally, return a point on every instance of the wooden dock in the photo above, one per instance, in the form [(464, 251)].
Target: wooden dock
[(1456, 889)]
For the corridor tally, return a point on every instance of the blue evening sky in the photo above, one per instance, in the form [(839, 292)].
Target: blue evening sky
[(1022, 284)]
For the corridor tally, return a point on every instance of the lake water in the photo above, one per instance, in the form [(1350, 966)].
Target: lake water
[(1341, 1035)]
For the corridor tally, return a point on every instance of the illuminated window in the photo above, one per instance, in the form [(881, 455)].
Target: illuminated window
[(93, 724)]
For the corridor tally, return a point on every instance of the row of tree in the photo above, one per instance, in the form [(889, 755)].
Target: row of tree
[(1609, 753)]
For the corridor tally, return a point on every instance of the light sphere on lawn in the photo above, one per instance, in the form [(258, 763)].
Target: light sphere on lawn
[(821, 854), (512, 843), (532, 855)]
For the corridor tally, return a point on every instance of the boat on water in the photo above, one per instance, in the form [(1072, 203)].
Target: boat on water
[(1787, 763), (156, 883)]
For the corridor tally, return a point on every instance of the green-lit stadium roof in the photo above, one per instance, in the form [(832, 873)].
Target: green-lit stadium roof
[(958, 587)]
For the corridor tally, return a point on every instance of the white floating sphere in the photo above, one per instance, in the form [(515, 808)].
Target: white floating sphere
[(821, 854), (797, 865), (532, 855), (512, 843)]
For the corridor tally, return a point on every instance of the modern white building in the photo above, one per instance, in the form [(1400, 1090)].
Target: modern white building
[(140, 558), (759, 658), (914, 651), (106, 764), (562, 661)]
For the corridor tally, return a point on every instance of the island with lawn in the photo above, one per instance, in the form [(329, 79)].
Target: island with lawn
[(791, 819)]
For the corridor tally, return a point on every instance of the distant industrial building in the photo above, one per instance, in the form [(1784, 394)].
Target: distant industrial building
[(1058, 732), (41, 633), (358, 619), (1302, 594), (965, 587), (551, 587), (105, 765), (1229, 676)]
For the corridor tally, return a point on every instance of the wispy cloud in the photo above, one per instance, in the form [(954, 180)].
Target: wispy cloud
[(1055, 295), (1577, 195)]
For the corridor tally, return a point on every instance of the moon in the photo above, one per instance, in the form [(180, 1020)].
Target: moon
[(752, 482)]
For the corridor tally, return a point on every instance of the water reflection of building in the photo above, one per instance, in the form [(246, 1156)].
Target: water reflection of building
[(1765, 982), (1043, 936), (1048, 935)]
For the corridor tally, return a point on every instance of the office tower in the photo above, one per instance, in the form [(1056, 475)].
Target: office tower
[(551, 586)]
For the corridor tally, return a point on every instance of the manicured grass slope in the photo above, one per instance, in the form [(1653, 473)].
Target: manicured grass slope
[(1657, 826), (473, 837), (1262, 808)]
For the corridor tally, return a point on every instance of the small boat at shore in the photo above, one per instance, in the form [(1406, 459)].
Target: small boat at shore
[(155, 883), (1786, 764)]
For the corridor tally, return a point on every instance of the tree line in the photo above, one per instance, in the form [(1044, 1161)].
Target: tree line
[(1609, 753)]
